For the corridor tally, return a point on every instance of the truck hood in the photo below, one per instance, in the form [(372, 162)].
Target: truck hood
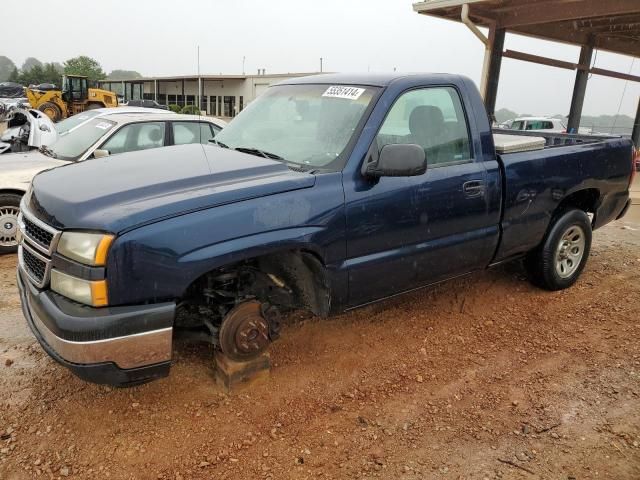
[(122, 192), (17, 169)]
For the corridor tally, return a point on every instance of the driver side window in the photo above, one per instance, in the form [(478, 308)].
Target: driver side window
[(136, 136), (432, 118)]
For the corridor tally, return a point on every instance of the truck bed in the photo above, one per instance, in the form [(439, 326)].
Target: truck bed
[(536, 181)]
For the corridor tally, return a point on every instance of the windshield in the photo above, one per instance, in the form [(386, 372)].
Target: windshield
[(76, 143), (64, 126), (308, 125)]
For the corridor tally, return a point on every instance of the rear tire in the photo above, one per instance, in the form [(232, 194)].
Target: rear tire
[(51, 110), (558, 262), (9, 210)]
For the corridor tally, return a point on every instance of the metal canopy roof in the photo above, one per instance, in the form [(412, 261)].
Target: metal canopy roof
[(611, 25)]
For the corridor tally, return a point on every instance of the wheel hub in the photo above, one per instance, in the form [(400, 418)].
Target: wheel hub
[(244, 333), (8, 226), (570, 251)]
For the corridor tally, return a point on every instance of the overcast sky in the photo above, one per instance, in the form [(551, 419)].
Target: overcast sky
[(157, 37)]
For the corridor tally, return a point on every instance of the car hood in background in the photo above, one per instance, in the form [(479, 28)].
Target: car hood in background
[(130, 189), (17, 169)]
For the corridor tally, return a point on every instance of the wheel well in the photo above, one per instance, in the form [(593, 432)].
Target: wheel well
[(292, 279), (12, 191), (585, 200)]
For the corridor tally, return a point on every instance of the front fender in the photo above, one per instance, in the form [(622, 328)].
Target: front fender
[(158, 262)]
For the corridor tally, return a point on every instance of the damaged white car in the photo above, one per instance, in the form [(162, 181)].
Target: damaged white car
[(27, 129), (30, 129)]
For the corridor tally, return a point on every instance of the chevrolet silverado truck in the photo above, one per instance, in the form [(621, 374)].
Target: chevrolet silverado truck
[(326, 193)]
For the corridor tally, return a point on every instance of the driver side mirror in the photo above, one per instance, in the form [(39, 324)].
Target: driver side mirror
[(398, 160), (99, 153)]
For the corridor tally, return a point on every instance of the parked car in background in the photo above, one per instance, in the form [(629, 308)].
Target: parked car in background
[(31, 129), (534, 124), (100, 136), (147, 104), (329, 193)]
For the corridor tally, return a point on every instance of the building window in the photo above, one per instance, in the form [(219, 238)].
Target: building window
[(219, 106), (241, 105), (191, 100), (229, 106)]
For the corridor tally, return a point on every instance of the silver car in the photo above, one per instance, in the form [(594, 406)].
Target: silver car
[(97, 137)]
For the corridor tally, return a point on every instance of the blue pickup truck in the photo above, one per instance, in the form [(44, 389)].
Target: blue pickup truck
[(326, 193)]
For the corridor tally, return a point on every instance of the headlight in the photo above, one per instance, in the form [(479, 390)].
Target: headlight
[(86, 248), (83, 291)]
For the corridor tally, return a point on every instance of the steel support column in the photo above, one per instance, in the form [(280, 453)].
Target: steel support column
[(495, 46), (635, 136), (579, 89)]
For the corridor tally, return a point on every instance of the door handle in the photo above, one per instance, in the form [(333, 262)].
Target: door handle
[(473, 188)]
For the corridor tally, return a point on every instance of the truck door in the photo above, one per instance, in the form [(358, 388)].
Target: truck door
[(405, 232)]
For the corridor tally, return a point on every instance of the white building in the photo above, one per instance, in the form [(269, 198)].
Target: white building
[(221, 95)]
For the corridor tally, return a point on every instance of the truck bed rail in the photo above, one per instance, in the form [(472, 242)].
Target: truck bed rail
[(557, 139)]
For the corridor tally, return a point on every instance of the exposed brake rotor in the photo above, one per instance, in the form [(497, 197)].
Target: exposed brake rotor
[(244, 333)]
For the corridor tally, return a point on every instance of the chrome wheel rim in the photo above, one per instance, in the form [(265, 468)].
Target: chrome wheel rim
[(9, 226), (570, 251)]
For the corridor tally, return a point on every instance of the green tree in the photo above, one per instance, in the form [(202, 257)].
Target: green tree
[(505, 114), (124, 75), (59, 67), (33, 76), (31, 62), (6, 68), (15, 75), (86, 66), (51, 74)]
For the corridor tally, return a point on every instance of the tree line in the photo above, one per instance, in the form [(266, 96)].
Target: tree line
[(35, 72)]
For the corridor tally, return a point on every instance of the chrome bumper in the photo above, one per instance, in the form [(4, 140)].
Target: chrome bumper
[(130, 351), (126, 352)]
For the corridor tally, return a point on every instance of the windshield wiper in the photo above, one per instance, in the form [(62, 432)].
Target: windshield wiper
[(257, 151), (47, 151), (220, 144)]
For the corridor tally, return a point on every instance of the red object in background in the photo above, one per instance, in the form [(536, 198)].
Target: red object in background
[(635, 164)]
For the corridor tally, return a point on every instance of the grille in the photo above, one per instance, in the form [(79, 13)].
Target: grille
[(35, 267), (37, 234)]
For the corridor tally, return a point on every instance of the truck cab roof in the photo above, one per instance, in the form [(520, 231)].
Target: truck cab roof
[(374, 79)]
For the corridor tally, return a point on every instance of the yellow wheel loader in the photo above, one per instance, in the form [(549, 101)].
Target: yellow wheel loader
[(75, 97)]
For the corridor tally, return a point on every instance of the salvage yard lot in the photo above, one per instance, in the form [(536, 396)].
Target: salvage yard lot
[(482, 377)]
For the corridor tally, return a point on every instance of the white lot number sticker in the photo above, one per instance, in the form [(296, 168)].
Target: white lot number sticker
[(103, 125), (350, 93)]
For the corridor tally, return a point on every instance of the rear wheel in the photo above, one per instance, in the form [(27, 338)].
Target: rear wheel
[(51, 110), (9, 211), (559, 261)]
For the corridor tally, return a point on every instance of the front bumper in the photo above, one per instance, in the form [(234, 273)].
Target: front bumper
[(119, 346)]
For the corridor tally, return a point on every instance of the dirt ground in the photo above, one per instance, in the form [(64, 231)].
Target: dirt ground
[(484, 377)]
